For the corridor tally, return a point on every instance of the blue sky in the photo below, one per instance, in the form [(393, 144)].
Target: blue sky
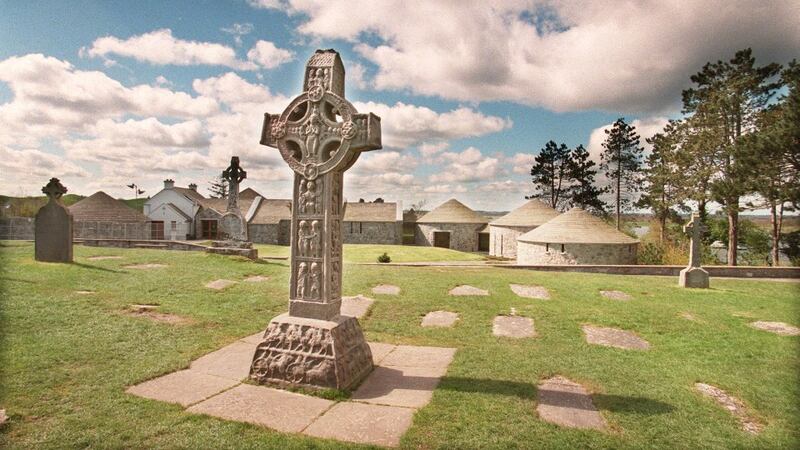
[(103, 94)]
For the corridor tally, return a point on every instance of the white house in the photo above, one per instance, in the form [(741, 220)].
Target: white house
[(171, 212)]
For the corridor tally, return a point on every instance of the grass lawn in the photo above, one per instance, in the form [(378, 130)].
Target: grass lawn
[(368, 253), (66, 358)]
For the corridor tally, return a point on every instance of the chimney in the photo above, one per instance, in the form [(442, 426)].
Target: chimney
[(169, 184), (193, 187)]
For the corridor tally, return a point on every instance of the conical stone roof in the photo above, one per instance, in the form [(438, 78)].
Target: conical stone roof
[(576, 226), (101, 207), (532, 213), (452, 211)]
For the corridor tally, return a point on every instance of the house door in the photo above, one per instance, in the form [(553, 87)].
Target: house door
[(483, 242), (157, 230), (441, 239), (208, 229)]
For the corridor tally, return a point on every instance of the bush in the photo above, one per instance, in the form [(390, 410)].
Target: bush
[(651, 253), (384, 258)]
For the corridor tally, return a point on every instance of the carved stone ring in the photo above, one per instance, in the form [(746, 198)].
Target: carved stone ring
[(349, 130), (310, 171), (278, 130), (315, 93)]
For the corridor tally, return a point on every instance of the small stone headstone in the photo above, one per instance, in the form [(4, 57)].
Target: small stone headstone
[(568, 404), (386, 289), (616, 295), (781, 328), (513, 327), (733, 405), (445, 319), (356, 306), (467, 290), (53, 226), (537, 292), (220, 284), (612, 337)]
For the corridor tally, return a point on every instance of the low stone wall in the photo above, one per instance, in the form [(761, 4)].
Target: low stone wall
[(463, 236), (17, 228), (263, 233), (141, 243), (110, 230), (503, 240), (713, 271), (372, 232), (592, 254)]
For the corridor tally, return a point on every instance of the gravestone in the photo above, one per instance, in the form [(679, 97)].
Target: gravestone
[(53, 233), (319, 135), (233, 224), (694, 276)]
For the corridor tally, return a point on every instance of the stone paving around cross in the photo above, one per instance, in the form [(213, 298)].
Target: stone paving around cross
[(379, 412)]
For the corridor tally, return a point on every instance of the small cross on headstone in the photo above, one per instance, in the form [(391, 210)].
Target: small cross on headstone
[(694, 275), (319, 135), (54, 189)]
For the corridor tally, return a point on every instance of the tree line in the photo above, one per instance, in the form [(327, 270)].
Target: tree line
[(737, 144)]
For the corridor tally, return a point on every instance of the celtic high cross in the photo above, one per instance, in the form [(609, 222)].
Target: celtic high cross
[(320, 135), (234, 175), (695, 229)]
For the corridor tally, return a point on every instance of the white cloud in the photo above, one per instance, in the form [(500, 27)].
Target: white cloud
[(564, 55), (505, 186), (521, 163), (444, 189), (467, 166), (404, 125), (268, 56), (427, 149), (267, 4), (237, 30), (646, 128)]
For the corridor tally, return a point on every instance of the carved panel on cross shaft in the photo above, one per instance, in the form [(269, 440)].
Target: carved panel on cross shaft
[(309, 238), (295, 353), (309, 197)]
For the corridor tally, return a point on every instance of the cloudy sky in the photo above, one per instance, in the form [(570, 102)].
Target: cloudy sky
[(103, 94)]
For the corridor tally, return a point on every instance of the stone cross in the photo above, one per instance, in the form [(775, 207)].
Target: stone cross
[(694, 276), (319, 135), (234, 175), (695, 229), (53, 226)]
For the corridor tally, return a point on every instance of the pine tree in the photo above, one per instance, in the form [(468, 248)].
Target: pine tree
[(583, 192), (550, 173), (218, 188), (724, 106), (621, 161)]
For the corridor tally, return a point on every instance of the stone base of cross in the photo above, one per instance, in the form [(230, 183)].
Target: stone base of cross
[(693, 277), (319, 135)]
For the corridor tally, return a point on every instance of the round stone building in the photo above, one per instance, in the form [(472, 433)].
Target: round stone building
[(452, 225), (576, 237), (503, 232)]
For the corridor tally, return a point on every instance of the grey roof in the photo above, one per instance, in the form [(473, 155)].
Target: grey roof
[(531, 214), (370, 212), (452, 211), (576, 226), (192, 194), (101, 207), (272, 211)]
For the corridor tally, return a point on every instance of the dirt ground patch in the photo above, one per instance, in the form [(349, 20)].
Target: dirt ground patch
[(150, 312), (781, 328)]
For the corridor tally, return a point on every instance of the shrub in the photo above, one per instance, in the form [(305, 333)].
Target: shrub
[(384, 258)]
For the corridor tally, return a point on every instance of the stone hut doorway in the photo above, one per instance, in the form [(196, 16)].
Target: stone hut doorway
[(208, 229), (157, 230), (441, 239), (483, 242)]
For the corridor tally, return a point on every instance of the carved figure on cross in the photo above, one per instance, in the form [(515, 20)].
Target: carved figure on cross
[(696, 230), (54, 189)]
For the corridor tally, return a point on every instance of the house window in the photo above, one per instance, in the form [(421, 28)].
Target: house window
[(173, 225), (547, 248), (562, 248), (360, 227)]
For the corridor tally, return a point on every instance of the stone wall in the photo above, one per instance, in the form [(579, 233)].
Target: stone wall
[(372, 232), (503, 240), (463, 236), (530, 253), (263, 233), (17, 228), (713, 271), (111, 230)]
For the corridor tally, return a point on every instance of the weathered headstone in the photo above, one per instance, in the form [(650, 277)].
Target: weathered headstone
[(233, 224), (694, 276), (53, 233), (319, 135)]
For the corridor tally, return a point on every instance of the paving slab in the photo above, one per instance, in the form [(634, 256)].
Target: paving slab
[(616, 295), (85, 292), (568, 404), (412, 356), (781, 328), (612, 337), (184, 387), (467, 290), (255, 339), (232, 361), (444, 319), (411, 387), (379, 351), (513, 327), (363, 423), (220, 284), (145, 266), (733, 405), (280, 410), (356, 306), (386, 289), (256, 279), (530, 291)]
